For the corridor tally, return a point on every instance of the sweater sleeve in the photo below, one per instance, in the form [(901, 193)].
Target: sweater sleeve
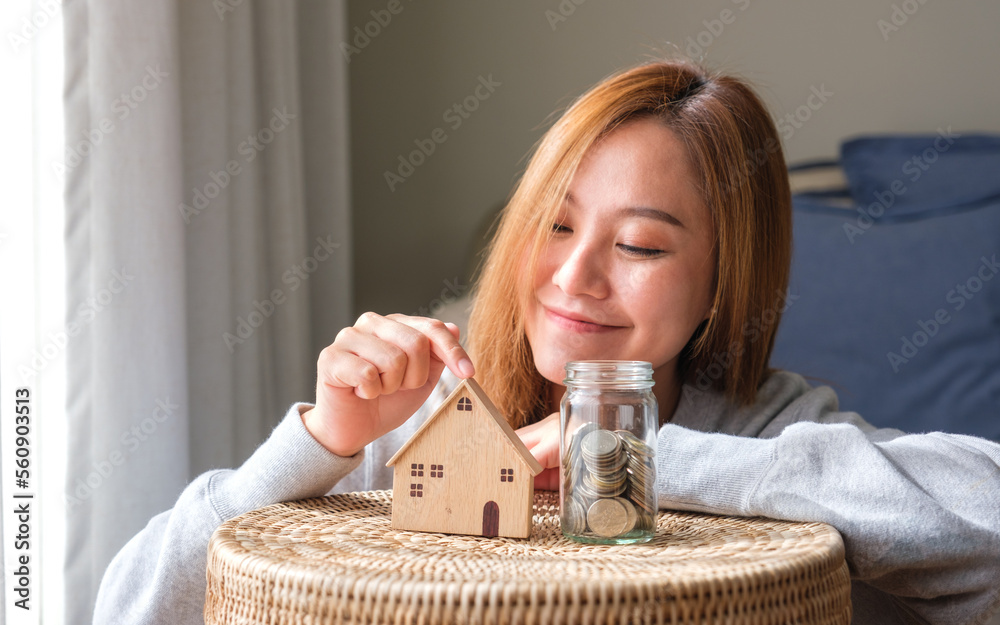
[(919, 514), (159, 575)]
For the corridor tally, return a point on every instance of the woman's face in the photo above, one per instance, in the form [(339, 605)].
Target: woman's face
[(628, 273)]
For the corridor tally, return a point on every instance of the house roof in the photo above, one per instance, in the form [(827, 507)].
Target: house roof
[(473, 387)]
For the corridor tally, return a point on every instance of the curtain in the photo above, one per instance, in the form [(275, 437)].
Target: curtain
[(208, 248)]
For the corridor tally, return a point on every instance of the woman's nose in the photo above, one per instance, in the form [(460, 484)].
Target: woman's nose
[(582, 271)]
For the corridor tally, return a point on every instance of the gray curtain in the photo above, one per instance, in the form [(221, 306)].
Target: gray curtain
[(208, 245)]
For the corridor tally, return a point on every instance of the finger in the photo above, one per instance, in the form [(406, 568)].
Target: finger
[(444, 343), (388, 358), (547, 480), (531, 434), (546, 451), (412, 342), (351, 371)]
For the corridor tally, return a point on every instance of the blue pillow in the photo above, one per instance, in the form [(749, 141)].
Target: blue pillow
[(898, 294), (911, 175)]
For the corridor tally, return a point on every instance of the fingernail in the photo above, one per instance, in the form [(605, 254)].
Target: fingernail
[(465, 366)]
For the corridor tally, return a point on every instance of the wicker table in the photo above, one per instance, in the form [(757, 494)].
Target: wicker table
[(336, 560)]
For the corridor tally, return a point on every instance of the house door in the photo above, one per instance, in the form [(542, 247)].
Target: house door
[(491, 519)]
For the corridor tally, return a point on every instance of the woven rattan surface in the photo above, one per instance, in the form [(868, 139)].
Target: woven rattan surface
[(336, 560)]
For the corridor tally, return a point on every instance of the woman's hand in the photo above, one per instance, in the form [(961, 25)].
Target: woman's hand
[(376, 374), (542, 440)]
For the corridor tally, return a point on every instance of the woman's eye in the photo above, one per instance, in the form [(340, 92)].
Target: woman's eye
[(557, 227), (643, 252)]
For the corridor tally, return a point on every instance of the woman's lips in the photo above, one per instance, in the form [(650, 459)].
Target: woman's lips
[(572, 322)]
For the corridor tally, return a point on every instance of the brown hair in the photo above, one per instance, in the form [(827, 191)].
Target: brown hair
[(734, 147)]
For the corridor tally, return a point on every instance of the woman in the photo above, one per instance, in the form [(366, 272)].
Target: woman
[(653, 223)]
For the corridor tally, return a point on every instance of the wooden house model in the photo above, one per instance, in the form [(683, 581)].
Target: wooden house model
[(464, 471)]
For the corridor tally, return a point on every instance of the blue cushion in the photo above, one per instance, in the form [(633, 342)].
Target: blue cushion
[(898, 295), (933, 173)]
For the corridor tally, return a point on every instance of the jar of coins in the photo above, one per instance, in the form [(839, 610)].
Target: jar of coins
[(608, 440)]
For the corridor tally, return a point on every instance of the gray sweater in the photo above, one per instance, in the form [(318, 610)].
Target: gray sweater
[(919, 514)]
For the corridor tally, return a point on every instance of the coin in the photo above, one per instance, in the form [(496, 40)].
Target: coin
[(584, 488), (607, 464), (634, 443), (591, 486), (641, 472), (574, 519), (640, 477), (609, 482), (645, 521), (633, 515), (600, 444), (574, 441), (607, 517), (583, 430)]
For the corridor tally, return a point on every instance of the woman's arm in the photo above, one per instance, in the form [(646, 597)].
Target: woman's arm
[(919, 514), (159, 576), (373, 378)]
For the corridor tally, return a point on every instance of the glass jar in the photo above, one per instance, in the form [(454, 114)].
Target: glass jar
[(609, 419)]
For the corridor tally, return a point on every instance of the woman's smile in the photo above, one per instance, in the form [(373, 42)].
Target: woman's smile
[(578, 322)]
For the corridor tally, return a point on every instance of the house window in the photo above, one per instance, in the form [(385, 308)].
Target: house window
[(506, 475), (465, 404), (416, 490), (437, 470), (416, 470)]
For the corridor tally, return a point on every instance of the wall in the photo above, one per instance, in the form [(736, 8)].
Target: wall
[(936, 66)]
